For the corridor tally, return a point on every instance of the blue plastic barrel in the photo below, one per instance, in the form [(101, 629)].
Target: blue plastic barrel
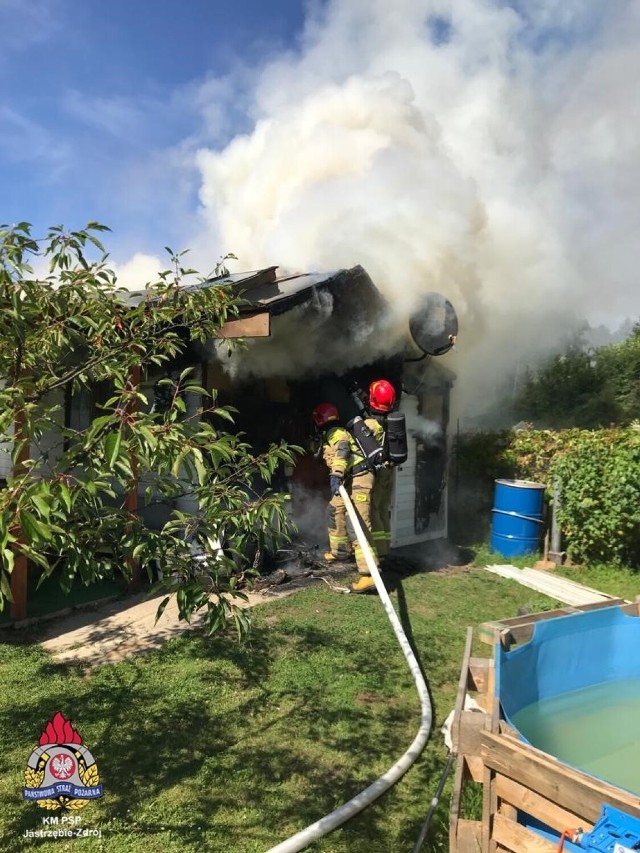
[(518, 517)]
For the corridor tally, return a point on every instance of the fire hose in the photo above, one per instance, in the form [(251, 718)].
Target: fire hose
[(351, 808)]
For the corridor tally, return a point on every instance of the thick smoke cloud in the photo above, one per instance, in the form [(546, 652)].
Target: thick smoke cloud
[(481, 148)]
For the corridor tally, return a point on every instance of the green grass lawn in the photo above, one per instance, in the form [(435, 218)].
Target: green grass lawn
[(205, 745)]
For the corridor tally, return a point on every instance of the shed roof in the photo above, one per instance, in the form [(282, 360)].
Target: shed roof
[(279, 293)]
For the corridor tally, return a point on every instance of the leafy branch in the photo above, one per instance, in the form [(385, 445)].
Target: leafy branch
[(64, 502)]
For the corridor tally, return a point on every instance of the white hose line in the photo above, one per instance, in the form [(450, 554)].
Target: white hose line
[(342, 814)]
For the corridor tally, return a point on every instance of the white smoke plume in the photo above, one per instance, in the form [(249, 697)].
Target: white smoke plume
[(428, 430), (309, 512), (485, 149), (306, 341)]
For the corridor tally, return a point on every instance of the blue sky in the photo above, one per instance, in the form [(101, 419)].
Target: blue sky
[(486, 149), (98, 100)]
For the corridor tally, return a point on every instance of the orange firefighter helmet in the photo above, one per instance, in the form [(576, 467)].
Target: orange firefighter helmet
[(382, 396), (324, 414)]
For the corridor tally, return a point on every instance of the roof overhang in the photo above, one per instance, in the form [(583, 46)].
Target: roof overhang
[(266, 294)]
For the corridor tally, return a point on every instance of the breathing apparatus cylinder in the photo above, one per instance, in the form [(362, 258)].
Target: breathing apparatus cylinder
[(367, 442), (396, 438), (357, 395)]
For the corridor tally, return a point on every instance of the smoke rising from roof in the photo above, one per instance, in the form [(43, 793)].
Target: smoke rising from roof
[(307, 341), (481, 148)]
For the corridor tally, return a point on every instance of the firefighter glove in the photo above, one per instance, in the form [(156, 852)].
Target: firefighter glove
[(334, 484)]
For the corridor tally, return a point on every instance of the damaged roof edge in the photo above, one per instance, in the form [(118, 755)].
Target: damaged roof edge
[(264, 288)]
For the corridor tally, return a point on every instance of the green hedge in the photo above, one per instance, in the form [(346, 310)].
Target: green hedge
[(598, 472)]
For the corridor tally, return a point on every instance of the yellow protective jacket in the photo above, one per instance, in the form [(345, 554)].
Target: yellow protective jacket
[(376, 428), (340, 452)]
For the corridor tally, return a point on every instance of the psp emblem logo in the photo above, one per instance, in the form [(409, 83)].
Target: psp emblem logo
[(61, 773)]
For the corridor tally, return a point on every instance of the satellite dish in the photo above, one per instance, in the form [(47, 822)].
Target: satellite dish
[(434, 324)]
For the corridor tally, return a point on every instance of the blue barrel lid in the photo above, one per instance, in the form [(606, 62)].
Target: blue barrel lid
[(521, 484)]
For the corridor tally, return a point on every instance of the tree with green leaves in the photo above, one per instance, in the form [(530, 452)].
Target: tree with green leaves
[(66, 500), (620, 364), (569, 390), (582, 387)]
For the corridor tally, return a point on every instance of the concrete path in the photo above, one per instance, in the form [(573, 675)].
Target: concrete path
[(118, 629), (115, 630), (112, 631)]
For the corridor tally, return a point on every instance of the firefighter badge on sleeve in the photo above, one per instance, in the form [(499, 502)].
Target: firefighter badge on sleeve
[(61, 773)]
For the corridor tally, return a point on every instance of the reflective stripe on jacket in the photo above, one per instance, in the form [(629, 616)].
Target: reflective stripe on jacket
[(340, 451)]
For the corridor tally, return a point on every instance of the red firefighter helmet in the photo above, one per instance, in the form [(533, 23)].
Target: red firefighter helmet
[(324, 413), (382, 396)]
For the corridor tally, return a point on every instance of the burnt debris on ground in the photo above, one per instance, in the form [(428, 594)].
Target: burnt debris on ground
[(303, 563)]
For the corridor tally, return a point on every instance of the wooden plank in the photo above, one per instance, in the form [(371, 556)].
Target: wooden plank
[(493, 723), (485, 700), (523, 633), (256, 325), (486, 631), (493, 703), (520, 628), (506, 809), (454, 810), (469, 837), (489, 796), (455, 736), (474, 767), (462, 689), (489, 808), (526, 618), (258, 278), (555, 587), (537, 806), (600, 605), (471, 725), (19, 583), (479, 674), (577, 792), (632, 609), (518, 838)]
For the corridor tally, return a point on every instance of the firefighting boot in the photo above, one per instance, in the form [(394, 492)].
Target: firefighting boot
[(330, 557), (365, 583)]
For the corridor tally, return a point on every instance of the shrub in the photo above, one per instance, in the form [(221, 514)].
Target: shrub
[(598, 472), (600, 507)]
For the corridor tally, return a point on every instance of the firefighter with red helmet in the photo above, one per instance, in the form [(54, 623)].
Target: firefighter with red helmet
[(346, 466), (382, 399)]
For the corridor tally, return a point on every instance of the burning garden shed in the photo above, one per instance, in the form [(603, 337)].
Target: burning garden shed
[(305, 339), (312, 337)]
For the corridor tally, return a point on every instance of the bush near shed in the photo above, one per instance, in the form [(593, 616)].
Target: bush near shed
[(598, 472)]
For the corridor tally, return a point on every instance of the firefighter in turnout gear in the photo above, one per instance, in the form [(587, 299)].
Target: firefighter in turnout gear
[(382, 399), (346, 466)]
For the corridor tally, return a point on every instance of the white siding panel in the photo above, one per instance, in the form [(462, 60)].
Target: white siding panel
[(403, 530)]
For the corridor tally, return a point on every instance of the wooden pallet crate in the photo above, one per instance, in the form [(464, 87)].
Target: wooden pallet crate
[(515, 776)]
